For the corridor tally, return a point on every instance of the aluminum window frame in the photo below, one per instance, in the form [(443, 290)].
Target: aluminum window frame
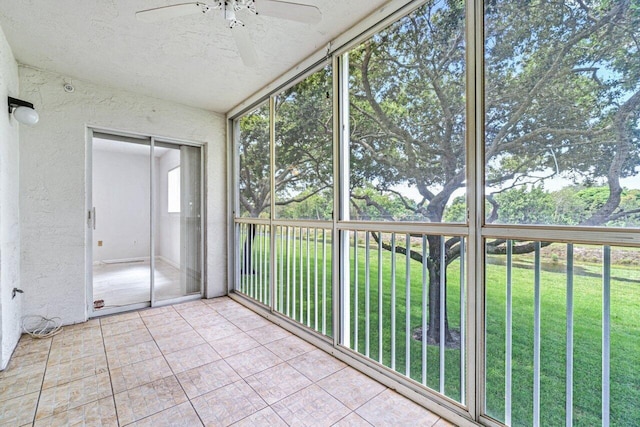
[(475, 230)]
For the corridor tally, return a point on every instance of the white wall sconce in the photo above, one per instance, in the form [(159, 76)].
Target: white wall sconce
[(23, 111)]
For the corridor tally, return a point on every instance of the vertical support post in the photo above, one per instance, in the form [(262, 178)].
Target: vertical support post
[(407, 308), (509, 338), (443, 307), (606, 335), (356, 305), (315, 282), (272, 213), (393, 301), (367, 293), (380, 299), (324, 282), (425, 291), (569, 368), (463, 329), (536, 338), (341, 257)]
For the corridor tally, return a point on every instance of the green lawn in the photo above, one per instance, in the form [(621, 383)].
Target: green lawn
[(625, 331)]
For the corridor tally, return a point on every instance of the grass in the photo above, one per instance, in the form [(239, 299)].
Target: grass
[(625, 331)]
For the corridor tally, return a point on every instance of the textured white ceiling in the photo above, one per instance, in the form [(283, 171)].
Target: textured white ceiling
[(191, 60)]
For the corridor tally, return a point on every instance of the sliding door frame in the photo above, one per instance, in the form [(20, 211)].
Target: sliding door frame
[(90, 130)]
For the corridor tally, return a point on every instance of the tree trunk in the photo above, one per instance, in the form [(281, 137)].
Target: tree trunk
[(247, 267), (434, 266)]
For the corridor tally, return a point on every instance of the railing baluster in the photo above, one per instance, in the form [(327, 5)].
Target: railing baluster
[(288, 271), (276, 266), (294, 283), (255, 256), (239, 258), (280, 267), (380, 335), (509, 337), (367, 293), (301, 312), (425, 290), (308, 277), (463, 329), (246, 266), (393, 301), (355, 296), (606, 335), (257, 291), (569, 368), (324, 282), (263, 269), (442, 343), (267, 256), (315, 282), (536, 338), (251, 253), (407, 308)]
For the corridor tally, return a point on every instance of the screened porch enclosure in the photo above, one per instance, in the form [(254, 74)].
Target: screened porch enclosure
[(451, 199)]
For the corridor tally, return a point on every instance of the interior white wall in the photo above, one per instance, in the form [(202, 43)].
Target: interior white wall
[(168, 224), (121, 196), (52, 182), (10, 308)]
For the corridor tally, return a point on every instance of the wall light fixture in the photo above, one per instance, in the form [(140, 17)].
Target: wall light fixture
[(23, 111)]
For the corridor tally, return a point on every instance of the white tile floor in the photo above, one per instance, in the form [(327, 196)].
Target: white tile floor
[(210, 362)]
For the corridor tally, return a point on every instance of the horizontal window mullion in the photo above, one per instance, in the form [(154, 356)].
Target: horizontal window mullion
[(406, 227), (582, 235), (248, 220), (302, 223)]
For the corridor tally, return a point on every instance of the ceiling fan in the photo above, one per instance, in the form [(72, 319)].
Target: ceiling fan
[(279, 9)]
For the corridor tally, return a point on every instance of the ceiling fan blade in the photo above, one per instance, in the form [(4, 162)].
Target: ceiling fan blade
[(168, 12), (245, 46), (291, 11)]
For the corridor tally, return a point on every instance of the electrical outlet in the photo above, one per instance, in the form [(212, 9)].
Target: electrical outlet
[(99, 242)]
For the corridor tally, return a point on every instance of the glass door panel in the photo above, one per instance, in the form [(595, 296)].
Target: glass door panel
[(120, 220), (178, 221)]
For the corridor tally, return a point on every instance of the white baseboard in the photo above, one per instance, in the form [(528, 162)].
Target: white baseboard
[(122, 260), (168, 261)]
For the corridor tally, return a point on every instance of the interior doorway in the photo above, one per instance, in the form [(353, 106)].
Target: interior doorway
[(144, 221)]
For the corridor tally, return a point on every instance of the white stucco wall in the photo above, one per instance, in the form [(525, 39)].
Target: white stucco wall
[(10, 309), (52, 186)]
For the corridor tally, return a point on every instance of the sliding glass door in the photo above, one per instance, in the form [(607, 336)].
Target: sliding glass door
[(145, 221)]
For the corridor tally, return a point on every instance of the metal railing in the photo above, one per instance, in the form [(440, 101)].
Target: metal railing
[(253, 261), (394, 279), (303, 276), (557, 340)]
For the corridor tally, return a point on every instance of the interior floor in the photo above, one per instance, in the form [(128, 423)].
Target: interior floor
[(121, 284), (211, 362)]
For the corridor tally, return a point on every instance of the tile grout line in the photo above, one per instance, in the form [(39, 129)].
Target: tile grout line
[(177, 379), (46, 364), (113, 394), (176, 375)]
